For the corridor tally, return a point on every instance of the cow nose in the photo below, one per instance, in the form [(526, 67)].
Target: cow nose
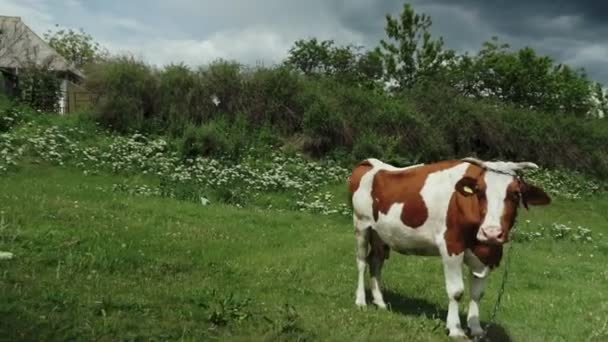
[(490, 235)]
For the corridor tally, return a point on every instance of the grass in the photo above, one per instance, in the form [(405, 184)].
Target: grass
[(93, 264)]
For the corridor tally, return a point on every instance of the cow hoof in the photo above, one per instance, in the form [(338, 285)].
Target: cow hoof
[(457, 334), (475, 331), (381, 305), (360, 303)]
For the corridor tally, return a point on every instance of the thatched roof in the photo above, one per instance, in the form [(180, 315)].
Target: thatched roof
[(20, 46)]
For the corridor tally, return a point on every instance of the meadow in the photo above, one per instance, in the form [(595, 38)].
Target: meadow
[(117, 237)]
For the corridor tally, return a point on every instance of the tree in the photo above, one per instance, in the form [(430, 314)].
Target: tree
[(370, 68), (411, 53), (599, 102), (77, 47), (310, 56), (522, 77), (347, 63)]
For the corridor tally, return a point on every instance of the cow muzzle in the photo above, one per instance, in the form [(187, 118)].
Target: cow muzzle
[(491, 235)]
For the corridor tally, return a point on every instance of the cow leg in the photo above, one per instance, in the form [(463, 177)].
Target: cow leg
[(376, 261), (362, 235), (477, 287), (452, 267)]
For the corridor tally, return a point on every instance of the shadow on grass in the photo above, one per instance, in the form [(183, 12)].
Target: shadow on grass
[(412, 306)]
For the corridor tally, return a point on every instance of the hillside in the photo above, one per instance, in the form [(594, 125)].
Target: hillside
[(116, 237), (94, 264)]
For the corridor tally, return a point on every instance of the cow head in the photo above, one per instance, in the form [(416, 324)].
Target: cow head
[(489, 198)]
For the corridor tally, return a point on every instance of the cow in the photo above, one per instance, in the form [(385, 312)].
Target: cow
[(461, 210)]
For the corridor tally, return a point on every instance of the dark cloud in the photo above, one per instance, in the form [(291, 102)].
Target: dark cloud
[(196, 31), (572, 32)]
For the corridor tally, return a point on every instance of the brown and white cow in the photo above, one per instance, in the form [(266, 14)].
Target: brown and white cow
[(461, 210)]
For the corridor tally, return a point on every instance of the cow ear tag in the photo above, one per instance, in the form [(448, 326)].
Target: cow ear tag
[(466, 186)]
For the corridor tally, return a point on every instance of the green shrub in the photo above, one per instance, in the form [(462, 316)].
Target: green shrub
[(273, 98), (332, 113), (9, 117), (39, 88), (367, 146), (326, 128), (178, 100), (121, 113), (13, 114), (218, 138), (494, 130), (127, 90), (205, 140), (222, 82), (338, 116), (222, 109)]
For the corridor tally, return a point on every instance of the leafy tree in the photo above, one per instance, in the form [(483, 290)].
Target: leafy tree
[(410, 52), (370, 69), (346, 63), (369, 64), (600, 102), (77, 47), (572, 92), (522, 77), (310, 56)]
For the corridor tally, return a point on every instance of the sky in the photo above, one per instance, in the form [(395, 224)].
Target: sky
[(252, 32)]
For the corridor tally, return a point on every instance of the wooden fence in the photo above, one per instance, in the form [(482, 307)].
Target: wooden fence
[(78, 98)]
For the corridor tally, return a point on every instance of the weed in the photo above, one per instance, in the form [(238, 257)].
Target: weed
[(229, 309)]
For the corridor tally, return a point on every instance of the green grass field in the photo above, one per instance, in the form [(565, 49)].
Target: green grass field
[(92, 264)]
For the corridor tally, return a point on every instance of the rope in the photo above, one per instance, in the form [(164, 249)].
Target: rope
[(501, 291)]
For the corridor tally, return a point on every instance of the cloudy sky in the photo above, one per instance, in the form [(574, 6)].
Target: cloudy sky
[(251, 31)]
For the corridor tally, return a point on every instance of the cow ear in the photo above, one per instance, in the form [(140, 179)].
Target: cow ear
[(467, 186), (533, 195)]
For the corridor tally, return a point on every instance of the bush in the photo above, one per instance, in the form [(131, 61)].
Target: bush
[(338, 116), (273, 98), (178, 98), (326, 127), (223, 108), (13, 114), (206, 140), (493, 130), (39, 88), (217, 138), (9, 117), (127, 90), (221, 90)]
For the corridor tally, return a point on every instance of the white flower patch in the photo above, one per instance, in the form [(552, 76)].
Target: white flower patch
[(10, 151), (570, 184), (224, 180), (555, 231)]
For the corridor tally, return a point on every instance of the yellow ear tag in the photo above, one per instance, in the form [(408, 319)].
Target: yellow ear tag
[(467, 189)]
